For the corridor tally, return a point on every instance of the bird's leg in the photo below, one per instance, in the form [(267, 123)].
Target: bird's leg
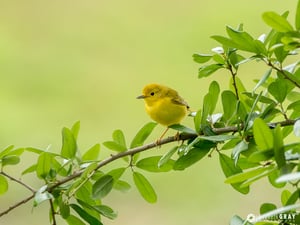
[(163, 134)]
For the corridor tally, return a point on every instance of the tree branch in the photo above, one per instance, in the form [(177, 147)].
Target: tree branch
[(133, 151), (18, 181)]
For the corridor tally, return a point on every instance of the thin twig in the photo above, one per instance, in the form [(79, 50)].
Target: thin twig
[(52, 212), (18, 181), (233, 74), (17, 205)]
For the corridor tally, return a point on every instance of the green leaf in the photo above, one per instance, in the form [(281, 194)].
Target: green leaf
[(3, 185), (238, 149), (73, 220), (43, 165), (144, 187), (229, 102), (166, 157), (241, 177), (193, 156), (242, 40), (69, 145), (272, 177), (151, 164), (201, 58), (30, 169), (6, 151), (262, 135), (278, 147), (84, 215), (118, 137), (116, 173), (205, 71), (41, 195), (64, 209), (267, 207), (142, 135), (262, 80), (182, 128), (197, 121), (122, 186), (114, 146), (102, 186), (92, 153), (75, 129), (278, 89), (224, 41), (297, 18), (229, 169), (277, 22), (214, 90), (10, 160), (285, 195), (293, 198), (106, 211), (296, 128)]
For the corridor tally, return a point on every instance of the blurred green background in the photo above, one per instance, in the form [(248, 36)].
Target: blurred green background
[(63, 61)]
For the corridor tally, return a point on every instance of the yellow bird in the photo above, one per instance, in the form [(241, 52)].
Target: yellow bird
[(164, 105)]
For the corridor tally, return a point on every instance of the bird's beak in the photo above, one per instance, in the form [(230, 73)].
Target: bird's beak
[(141, 97)]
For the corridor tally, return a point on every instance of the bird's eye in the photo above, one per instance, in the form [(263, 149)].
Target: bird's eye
[(152, 93)]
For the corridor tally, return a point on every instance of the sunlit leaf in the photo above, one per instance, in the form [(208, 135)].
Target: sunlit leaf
[(73, 220), (278, 89), (118, 137), (262, 134), (229, 102), (207, 70), (10, 160), (166, 157), (106, 211), (144, 187), (278, 147), (277, 22), (201, 58), (182, 128), (43, 165), (267, 207), (69, 145), (92, 153), (75, 129), (142, 134)]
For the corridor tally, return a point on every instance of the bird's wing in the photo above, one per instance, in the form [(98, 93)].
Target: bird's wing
[(178, 100)]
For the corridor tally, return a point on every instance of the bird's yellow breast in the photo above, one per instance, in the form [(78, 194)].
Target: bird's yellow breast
[(165, 111)]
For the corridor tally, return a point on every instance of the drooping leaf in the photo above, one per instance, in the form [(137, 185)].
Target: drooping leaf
[(122, 186), (193, 156), (112, 145), (85, 216), (117, 173), (277, 22), (92, 153), (273, 176), (285, 195), (267, 207), (102, 186), (144, 187), (64, 209), (3, 185), (151, 164), (229, 169), (142, 135), (238, 149), (106, 211), (262, 134), (214, 90), (9, 160), (41, 195), (69, 145), (262, 80), (73, 220), (217, 138), (278, 147), (6, 150)]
